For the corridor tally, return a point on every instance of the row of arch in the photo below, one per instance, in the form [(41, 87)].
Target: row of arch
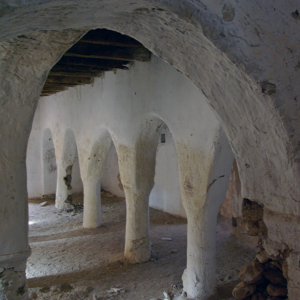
[(137, 169), (133, 124), (186, 36)]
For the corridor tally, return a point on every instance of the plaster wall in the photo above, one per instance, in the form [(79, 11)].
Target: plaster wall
[(111, 180), (165, 194), (249, 46), (119, 102), (243, 55)]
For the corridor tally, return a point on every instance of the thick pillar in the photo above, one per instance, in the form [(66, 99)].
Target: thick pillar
[(204, 178), (92, 204), (137, 167), (16, 115), (14, 248), (12, 276), (92, 170), (137, 240), (24, 63), (61, 187), (199, 276)]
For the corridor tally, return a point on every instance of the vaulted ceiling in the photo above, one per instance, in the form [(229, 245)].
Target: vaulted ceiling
[(98, 51)]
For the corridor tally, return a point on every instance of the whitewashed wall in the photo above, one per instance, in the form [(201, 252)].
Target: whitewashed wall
[(111, 180), (165, 194), (155, 87)]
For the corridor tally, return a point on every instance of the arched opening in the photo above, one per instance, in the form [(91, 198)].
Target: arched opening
[(165, 194), (93, 173), (49, 165), (111, 180), (214, 65)]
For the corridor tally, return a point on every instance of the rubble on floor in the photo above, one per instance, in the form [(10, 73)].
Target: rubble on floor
[(263, 279)]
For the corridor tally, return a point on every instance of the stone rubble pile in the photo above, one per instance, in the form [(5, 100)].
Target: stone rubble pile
[(263, 279)]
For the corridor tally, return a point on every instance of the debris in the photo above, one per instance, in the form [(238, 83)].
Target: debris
[(44, 204), (65, 287), (116, 290), (167, 296), (166, 239), (95, 297), (33, 296), (45, 289)]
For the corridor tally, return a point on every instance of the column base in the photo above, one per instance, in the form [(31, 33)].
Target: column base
[(13, 283), (139, 251)]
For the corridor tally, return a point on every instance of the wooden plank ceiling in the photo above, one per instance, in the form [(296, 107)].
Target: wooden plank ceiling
[(98, 51)]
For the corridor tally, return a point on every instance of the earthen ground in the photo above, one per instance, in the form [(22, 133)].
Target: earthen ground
[(69, 262)]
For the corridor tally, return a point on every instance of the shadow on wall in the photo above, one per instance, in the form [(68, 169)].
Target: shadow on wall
[(165, 194)]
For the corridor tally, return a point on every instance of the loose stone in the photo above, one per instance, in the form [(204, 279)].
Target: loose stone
[(242, 291), (276, 290), (251, 274)]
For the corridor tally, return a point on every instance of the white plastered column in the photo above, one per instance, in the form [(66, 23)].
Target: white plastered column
[(24, 64), (61, 187), (137, 168), (204, 178), (92, 172), (64, 169)]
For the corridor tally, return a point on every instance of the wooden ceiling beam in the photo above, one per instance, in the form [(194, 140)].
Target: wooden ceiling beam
[(79, 68), (54, 89), (57, 85), (68, 80), (111, 43), (93, 62), (101, 56), (81, 50), (71, 68), (75, 74), (98, 51)]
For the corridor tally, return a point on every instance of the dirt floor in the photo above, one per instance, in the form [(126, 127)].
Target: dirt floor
[(69, 262)]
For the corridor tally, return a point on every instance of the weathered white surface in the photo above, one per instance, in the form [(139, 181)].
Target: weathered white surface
[(204, 180), (168, 86), (268, 53), (131, 108), (16, 116), (68, 164), (231, 52), (92, 172), (111, 180), (165, 194)]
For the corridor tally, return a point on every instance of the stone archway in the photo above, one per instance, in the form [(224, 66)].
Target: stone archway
[(182, 43), (263, 137)]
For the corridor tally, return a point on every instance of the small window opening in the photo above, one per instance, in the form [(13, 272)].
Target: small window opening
[(162, 138)]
